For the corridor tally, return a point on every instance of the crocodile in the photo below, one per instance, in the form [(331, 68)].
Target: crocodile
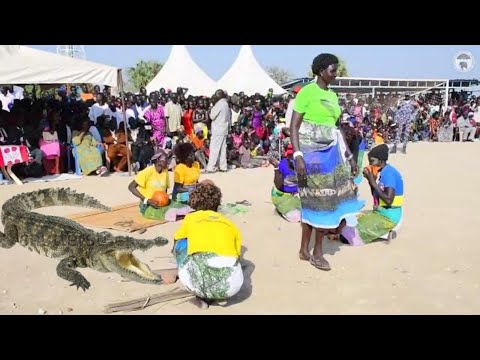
[(71, 243)]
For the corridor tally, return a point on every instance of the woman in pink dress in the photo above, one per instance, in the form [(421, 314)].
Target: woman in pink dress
[(50, 145), (155, 116)]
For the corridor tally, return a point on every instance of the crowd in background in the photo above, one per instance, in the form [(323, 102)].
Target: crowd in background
[(84, 128)]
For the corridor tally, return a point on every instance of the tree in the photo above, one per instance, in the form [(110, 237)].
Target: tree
[(143, 72), (342, 70), (278, 74)]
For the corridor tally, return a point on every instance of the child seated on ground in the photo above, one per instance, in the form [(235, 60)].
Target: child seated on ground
[(207, 249), (237, 137), (233, 157), (246, 160), (199, 144)]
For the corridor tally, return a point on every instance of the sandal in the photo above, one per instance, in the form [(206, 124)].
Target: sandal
[(320, 263), (243, 202)]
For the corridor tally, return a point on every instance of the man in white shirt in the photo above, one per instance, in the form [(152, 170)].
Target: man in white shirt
[(465, 127), (221, 117), (235, 113), (97, 109), (6, 98), (173, 114)]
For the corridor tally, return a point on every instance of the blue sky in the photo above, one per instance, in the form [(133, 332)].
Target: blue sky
[(388, 61)]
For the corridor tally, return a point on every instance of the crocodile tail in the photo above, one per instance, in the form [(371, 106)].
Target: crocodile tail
[(53, 197)]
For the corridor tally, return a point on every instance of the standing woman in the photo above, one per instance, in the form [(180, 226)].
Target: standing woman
[(155, 116), (323, 162)]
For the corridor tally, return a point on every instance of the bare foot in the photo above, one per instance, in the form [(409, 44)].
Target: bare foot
[(304, 255), (200, 303)]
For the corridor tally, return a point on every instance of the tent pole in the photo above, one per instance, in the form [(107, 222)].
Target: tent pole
[(124, 109)]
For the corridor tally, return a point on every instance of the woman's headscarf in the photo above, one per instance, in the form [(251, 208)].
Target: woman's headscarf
[(380, 152)]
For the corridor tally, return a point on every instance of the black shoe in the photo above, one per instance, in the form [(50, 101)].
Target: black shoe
[(393, 150)]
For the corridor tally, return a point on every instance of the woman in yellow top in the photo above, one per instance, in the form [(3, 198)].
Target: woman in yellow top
[(207, 249), (186, 173), (323, 162), (150, 180)]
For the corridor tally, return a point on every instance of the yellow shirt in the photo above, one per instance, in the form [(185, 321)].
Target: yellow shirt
[(209, 231), (150, 181), (185, 175)]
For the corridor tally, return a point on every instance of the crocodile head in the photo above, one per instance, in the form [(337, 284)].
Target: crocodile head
[(115, 254)]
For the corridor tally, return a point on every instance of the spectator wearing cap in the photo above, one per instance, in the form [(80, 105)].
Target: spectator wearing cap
[(289, 113)]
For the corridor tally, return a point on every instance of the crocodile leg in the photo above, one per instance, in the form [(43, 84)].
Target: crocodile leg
[(66, 270), (9, 239)]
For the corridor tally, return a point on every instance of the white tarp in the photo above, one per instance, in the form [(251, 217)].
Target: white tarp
[(181, 71), (24, 65), (247, 75)]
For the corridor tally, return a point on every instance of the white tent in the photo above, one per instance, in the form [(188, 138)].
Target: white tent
[(24, 65), (248, 76), (181, 71)]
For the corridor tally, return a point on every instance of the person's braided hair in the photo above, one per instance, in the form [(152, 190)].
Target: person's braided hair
[(322, 62), (206, 196)]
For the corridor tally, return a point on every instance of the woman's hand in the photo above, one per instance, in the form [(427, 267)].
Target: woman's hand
[(354, 166), (273, 161), (152, 204), (367, 174), (301, 171)]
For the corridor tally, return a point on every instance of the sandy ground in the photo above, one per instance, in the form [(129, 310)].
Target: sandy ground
[(431, 268)]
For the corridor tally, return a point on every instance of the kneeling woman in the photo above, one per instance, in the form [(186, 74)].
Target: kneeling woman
[(207, 249), (150, 180), (186, 173), (387, 194), (285, 191)]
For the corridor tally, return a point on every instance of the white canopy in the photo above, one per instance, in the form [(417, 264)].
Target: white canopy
[(181, 71), (24, 65), (248, 76)]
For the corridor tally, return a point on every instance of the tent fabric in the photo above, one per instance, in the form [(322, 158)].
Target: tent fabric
[(247, 75), (181, 71), (25, 65)]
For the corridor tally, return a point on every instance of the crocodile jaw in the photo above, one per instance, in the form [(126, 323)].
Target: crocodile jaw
[(127, 265)]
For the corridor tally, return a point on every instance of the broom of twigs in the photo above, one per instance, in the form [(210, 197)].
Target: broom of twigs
[(142, 303)]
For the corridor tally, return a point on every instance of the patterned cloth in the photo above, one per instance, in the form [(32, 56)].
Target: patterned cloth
[(156, 117), (445, 133), (207, 275), (89, 157), (328, 195), (404, 117), (287, 205), (371, 226), (167, 213)]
